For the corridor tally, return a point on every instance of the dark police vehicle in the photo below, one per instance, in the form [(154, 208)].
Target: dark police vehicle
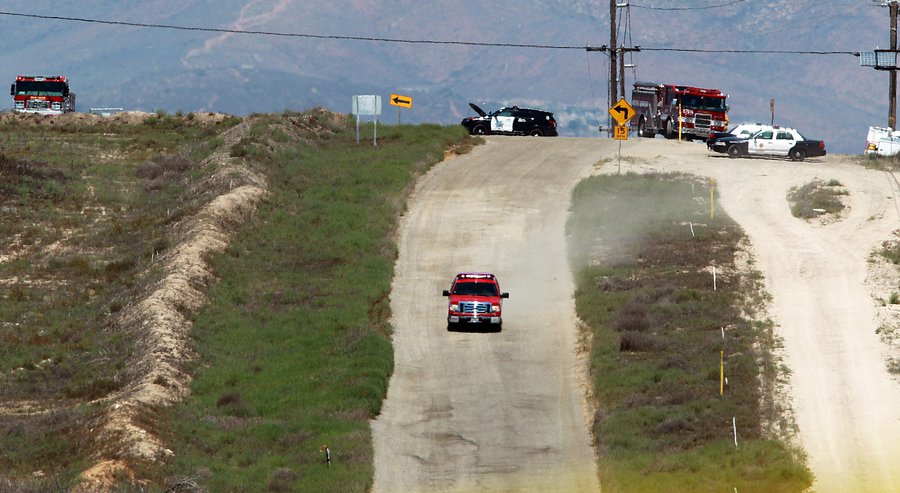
[(511, 121)]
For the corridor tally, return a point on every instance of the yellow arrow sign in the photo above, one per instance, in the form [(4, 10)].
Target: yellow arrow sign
[(622, 111), (403, 101)]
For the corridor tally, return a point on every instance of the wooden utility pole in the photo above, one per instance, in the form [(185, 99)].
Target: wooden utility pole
[(892, 89), (613, 72)]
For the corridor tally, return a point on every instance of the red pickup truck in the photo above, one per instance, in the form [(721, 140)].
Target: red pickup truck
[(475, 298)]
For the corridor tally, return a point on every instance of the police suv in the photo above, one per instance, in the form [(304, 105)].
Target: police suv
[(511, 121)]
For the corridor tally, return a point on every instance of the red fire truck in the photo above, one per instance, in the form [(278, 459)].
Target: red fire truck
[(658, 107), (46, 95)]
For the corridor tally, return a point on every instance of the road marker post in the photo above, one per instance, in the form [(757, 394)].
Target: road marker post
[(734, 427), (721, 373)]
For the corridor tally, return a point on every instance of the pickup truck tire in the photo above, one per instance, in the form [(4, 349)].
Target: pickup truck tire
[(797, 154), (734, 151)]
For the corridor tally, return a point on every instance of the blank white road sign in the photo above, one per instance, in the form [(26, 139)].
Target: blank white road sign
[(367, 105)]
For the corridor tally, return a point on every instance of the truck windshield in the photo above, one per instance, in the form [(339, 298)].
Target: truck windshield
[(702, 102), (475, 289), (39, 88)]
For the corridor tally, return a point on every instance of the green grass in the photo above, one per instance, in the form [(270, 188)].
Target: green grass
[(645, 289), (816, 198), (294, 349), (891, 252)]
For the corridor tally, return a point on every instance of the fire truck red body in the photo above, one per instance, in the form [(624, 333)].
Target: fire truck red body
[(46, 95), (660, 108)]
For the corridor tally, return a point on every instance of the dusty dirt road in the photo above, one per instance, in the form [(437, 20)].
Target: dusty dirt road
[(504, 412)]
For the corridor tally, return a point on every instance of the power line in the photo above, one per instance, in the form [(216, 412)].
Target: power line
[(728, 4), (410, 41), (291, 35), (767, 52)]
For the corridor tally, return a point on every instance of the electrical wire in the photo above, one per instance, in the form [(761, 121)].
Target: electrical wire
[(728, 4), (754, 52), (291, 35), (411, 41)]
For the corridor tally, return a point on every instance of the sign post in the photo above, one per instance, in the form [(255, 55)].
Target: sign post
[(621, 113), (367, 105), (400, 102)]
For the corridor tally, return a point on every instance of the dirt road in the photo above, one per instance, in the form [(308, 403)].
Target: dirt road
[(503, 412)]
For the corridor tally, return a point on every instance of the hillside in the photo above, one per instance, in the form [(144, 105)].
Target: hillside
[(274, 240), (181, 291), (828, 97)]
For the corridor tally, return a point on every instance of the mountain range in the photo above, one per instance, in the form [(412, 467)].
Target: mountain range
[(263, 56)]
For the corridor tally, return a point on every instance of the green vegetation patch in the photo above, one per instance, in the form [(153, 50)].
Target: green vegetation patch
[(644, 249), (891, 251), (294, 349), (816, 198), (883, 163)]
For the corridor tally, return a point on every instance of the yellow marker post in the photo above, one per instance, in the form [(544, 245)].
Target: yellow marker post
[(679, 120), (721, 372)]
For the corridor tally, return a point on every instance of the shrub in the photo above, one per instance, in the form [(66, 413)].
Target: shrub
[(635, 342), (632, 317)]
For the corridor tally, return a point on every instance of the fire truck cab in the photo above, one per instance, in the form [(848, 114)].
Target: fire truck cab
[(668, 109), (48, 95)]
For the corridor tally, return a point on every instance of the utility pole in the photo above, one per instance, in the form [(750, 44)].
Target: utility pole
[(892, 89), (887, 60), (613, 72), (616, 59)]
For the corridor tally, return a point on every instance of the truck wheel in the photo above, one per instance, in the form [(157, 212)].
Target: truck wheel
[(797, 154), (671, 131), (734, 151), (479, 130), (642, 129)]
